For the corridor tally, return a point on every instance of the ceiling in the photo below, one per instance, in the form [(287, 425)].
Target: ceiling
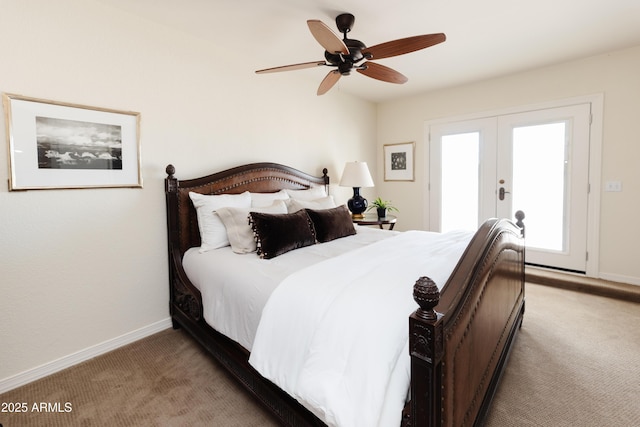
[(485, 38)]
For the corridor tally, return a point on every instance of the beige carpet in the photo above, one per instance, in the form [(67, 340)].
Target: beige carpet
[(162, 380), (575, 363)]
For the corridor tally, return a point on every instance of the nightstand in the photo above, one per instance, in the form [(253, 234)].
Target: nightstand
[(372, 219)]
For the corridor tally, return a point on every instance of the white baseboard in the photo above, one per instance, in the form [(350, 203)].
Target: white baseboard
[(42, 371)]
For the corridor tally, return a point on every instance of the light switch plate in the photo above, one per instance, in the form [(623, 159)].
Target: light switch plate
[(613, 186)]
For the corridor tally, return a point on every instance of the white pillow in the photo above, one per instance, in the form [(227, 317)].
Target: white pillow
[(267, 199), (213, 235), (294, 205), (312, 193), (239, 232)]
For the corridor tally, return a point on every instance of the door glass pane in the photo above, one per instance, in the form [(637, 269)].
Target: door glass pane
[(539, 171), (460, 181)]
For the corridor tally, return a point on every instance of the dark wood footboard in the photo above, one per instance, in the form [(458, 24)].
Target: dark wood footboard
[(459, 338)]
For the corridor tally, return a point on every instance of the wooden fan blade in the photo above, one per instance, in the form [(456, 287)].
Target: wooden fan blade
[(380, 72), (402, 46), (292, 67), (327, 38), (328, 81)]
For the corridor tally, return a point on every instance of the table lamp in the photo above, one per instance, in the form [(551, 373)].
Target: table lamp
[(356, 175)]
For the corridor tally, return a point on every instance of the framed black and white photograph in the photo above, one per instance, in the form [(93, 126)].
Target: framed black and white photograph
[(54, 145), (398, 162)]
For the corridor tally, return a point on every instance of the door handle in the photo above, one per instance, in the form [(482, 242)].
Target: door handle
[(502, 192)]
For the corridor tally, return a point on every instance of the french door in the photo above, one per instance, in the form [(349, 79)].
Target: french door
[(534, 161)]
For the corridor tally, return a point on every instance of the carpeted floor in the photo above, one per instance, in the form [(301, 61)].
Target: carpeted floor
[(163, 380), (574, 363)]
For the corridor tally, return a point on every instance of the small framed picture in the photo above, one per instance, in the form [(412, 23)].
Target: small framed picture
[(54, 145), (398, 161)]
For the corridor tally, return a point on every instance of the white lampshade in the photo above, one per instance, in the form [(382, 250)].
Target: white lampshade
[(356, 174)]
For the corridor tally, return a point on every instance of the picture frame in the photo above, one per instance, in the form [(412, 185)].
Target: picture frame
[(56, 145), (399, 161)]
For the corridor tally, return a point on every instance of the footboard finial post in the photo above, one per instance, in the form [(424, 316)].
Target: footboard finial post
[(519, 223), (426, 350), (427, 295)]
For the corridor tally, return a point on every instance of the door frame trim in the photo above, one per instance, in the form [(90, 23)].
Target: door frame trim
[(595, 163)]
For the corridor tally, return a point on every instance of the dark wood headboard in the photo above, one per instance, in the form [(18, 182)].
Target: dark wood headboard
[(182, 223)]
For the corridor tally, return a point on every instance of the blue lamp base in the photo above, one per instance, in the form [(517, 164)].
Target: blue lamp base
[(357, 204)]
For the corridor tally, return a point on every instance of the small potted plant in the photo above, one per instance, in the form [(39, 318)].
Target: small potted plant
[(382, 206)]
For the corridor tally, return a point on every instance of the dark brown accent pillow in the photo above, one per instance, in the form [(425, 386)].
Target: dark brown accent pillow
[(332, 223), (277, 234)]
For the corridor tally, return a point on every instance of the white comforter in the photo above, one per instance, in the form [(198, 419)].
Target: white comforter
[(335, 335), (235, 287)]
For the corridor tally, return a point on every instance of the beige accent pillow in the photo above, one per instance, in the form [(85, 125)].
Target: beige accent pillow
[(239, 232)]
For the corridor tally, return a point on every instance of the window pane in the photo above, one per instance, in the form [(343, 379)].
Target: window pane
[(460, 181), (539, 182)]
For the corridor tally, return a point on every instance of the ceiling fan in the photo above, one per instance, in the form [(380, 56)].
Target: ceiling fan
[(347, 54)]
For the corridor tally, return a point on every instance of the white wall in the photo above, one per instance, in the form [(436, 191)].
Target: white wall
[(80, 268), (615, 75)]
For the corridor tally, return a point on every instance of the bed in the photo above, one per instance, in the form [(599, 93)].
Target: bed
[(459, 334)]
